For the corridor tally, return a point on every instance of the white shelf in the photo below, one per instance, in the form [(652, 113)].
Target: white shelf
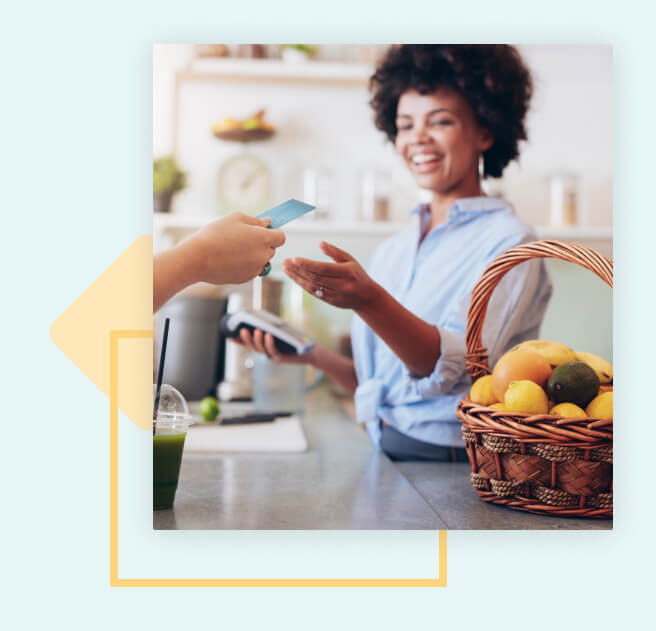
[(163, 222), (277, 70), (574, 233)]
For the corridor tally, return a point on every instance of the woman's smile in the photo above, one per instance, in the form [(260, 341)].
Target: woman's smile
[(440, 141), (426, 161)]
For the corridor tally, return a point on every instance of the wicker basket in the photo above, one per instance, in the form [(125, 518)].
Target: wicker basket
[(542, 464)]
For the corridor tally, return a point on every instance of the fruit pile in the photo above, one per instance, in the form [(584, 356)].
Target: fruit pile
[(248, 124), (540, 377)]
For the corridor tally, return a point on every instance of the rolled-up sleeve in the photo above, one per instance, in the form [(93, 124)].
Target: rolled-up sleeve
[(448, 370)]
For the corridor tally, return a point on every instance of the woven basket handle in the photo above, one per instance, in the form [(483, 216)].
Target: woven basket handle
[(477, 359)]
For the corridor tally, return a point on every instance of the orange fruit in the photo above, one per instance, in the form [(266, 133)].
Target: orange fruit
[(519, 365)]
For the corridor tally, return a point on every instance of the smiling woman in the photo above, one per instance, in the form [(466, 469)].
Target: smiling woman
[(441, 142), (493, 82), (455, 114)]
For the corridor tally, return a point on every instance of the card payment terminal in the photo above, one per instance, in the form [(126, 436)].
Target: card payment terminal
[(287, 339)]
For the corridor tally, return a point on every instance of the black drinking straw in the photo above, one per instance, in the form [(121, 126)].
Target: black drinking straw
[(160, 373)]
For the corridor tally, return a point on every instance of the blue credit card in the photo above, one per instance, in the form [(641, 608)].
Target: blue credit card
[(286, 212)]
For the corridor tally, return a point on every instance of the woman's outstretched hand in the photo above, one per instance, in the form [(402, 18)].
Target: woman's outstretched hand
[(343, 284)]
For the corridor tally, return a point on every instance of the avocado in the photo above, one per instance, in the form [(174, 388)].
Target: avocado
[(573, 382)]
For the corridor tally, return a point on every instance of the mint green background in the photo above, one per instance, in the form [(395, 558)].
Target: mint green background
[(580, 311), (75, 120)]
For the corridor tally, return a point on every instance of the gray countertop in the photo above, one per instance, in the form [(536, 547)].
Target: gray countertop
[(341, 483)]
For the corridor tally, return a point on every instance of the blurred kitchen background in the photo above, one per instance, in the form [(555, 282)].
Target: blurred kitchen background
[(310, 135)]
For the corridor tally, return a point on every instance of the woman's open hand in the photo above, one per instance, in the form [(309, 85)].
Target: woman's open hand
[(343, 283)]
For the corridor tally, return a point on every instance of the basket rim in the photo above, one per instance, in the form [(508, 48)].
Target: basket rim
[(538, 428), (476, 357), (590, 422)]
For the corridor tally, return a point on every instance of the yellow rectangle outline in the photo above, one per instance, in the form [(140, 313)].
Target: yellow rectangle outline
[(115, 581)]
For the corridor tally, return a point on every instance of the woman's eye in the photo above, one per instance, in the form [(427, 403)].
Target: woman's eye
[(440, 123)]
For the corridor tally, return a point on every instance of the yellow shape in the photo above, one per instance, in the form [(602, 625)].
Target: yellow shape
[(119, 299), (115, 581)]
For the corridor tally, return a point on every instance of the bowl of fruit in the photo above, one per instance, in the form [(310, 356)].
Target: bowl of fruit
[(538, 425), (251, 129)]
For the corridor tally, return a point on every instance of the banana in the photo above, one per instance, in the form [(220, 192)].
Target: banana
[(603, 368), (226, 124), (554, 352)]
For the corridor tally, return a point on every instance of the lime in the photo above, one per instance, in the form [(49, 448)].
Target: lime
[(209, 409), (251, 123)]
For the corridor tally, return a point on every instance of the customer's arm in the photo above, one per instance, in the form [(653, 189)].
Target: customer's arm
[(232, 249)]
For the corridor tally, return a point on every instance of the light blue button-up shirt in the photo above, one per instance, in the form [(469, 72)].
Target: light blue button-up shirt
[(434, 279)]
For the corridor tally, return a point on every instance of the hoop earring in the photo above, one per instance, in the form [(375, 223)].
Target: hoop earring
[(481, 167)]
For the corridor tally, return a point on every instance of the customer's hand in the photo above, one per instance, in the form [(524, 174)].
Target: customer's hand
[(261, 342), (343, 283), (232, 249)]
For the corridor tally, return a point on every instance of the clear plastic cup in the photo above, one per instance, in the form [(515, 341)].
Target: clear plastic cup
[(173, 420)]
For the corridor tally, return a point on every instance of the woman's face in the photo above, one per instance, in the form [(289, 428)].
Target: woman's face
[(440, 140)]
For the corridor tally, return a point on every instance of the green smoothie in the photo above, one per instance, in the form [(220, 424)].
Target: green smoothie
[(167, 455)]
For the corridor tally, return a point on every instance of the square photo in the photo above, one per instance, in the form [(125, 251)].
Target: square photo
[(382, 287)]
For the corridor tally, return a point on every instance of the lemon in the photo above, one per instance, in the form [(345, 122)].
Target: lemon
[(568, 410), (481, 392), (601, 406), (526, 396), (498, 406)]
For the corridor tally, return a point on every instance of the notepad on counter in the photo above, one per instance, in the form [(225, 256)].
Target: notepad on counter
[(285, 434)]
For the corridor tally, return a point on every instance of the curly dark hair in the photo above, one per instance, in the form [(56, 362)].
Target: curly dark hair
[(493, 79)]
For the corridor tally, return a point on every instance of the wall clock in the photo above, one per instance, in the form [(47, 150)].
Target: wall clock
[(244, 184)]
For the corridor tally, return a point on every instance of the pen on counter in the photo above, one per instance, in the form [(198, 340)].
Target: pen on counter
[(253, 418)]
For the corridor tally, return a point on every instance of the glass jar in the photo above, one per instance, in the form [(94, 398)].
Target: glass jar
[(375, 195), (318, 189), (564, 193)]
